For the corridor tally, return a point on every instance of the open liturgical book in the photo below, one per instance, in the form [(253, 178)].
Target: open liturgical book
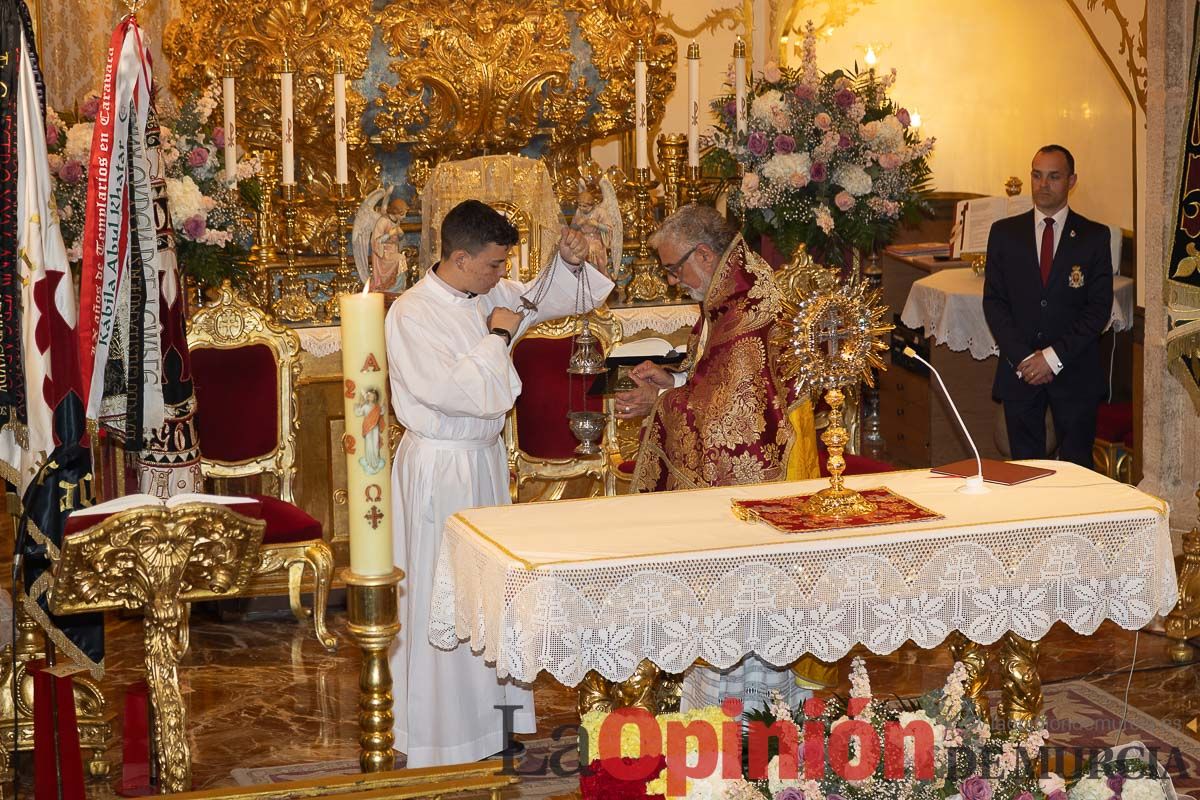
[(973, 220), (86, 517)]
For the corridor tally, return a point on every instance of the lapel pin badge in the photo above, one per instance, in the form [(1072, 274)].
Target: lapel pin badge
[(1076, 279), (1072, 233)]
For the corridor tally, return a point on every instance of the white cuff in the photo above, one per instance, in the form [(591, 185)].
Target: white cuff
[(1052, 359), (680, 378)]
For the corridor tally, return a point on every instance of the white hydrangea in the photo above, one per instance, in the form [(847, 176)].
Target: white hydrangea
[(1091, 789), (185, 199), (79, 142), (853, 178), (1142, 789), (782, 167), (768, 107), (778, 784), (889, 137)]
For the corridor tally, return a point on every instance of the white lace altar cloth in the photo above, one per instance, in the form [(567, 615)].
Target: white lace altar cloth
[(327, 340), (949, 306), (601, 584)]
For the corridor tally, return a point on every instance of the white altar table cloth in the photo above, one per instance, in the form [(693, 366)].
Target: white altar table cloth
[(949, 306), (601, 584)]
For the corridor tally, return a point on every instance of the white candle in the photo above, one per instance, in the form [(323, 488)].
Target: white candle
[(639, 111), (693, 105), (227, 94), (365, 442), (287, 133), (339, 121), (739, 83)]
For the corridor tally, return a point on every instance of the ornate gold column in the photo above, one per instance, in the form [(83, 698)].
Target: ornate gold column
[(1020, 685), (158, 559), (1184, 620), (974, 657), (648, 282), (672, 160)]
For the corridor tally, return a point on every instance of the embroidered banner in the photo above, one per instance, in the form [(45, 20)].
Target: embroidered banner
[(1183, 268)]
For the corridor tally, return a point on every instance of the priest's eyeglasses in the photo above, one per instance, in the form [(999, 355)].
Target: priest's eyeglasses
[(673, 268)]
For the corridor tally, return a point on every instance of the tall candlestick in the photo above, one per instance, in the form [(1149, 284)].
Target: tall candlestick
[(368, 478), (739, 83), (693, 154), (227, 94), (287, 136), (339, 120), (639, 111)]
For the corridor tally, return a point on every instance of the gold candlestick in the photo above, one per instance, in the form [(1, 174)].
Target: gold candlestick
[(293, 303), (692, 182), (672, 156), (290, 203), (345, 279), (648, 282), (374, 621)]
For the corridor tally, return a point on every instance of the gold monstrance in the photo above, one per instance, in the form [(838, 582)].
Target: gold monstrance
[(828, 340)]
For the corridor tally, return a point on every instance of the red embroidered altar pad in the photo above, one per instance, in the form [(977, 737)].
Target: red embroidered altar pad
[(787, 514)]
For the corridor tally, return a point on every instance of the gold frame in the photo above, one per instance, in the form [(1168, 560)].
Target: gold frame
[(227, 323), (524, 468)]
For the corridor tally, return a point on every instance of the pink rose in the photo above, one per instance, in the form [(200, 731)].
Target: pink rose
[(771, 72), (90, 107), (818, 172), (976, 788), (903, 116), (51, 135), (823, 121), (1024, 796), (798, 180), (889, 161), (844, 98), (843, 142), (756, 143), (749, 182), (784, 144), (805, 93), (218, 136), (71, 172), (844, 201), (198, 157), (194, 227)]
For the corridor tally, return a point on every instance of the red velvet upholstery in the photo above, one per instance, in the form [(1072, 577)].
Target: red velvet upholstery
[(85, 518), (855, 465), (1128, 440), (237, 401), (542, 428), (286, 523), (627, 467), (1114, 421)]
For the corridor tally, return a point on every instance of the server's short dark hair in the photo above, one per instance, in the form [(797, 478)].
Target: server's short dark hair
[(472, 225), (1058, 148)]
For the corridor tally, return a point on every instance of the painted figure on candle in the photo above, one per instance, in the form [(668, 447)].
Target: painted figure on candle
[(378, 242), (369, 408), (598, 218)]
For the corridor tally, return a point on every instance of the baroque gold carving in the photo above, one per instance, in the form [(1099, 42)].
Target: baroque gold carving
[(1134, 51), (157, 559), (730, 18), (648, 688)]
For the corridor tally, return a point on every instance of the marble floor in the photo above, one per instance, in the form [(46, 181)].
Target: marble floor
[(262, 692)]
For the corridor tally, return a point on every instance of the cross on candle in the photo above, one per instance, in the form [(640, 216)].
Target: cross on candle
[(374, 516)]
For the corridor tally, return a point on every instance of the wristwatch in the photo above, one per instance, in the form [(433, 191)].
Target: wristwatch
[(503, 334)]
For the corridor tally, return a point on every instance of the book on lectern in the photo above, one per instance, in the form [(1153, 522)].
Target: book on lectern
[(1003, 472)]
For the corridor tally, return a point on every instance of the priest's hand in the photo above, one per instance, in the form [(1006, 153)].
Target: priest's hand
[(504, 318), (572, 246), (636, 402), (654, 374)]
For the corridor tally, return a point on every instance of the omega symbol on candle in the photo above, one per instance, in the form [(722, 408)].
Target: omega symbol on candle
[(373, 493)]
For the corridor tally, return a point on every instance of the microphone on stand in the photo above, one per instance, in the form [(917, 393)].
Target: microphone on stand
[(974, 483)]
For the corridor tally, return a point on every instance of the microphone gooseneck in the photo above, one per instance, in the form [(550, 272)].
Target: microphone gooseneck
[(974, 484)]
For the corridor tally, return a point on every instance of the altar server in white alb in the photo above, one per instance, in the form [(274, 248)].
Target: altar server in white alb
[(449, 339)]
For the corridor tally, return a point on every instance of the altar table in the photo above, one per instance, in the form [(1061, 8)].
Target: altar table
[(601, 584)]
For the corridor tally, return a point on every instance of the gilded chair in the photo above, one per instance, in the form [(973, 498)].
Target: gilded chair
[(541, 446), (245, 367)]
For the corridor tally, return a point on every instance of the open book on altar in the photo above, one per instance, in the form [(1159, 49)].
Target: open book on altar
[(87, 517), (973, 220)]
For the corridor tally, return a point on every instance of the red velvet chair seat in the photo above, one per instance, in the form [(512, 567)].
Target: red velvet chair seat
[(542, 428), (627, 467), (85, 518), (1114, 421), (286, 523), (237, 402)]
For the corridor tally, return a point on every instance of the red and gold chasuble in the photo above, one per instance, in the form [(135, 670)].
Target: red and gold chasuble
[(734, 421)]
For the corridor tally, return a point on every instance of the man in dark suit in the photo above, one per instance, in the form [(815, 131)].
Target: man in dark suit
[(1047, 297)]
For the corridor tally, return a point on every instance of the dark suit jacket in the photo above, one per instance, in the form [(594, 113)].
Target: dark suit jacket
[(1068, 314)]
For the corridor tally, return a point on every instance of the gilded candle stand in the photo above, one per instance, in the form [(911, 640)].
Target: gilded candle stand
[(374, 622)]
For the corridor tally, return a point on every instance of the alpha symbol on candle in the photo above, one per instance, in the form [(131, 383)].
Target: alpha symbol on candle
[(374, 516), (373, 493), (370, 365)]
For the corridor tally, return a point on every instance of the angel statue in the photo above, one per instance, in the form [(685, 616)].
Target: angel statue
[(598, 218), (378, 241)]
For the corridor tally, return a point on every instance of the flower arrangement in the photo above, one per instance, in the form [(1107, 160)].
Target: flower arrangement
[(212, 222), (828, 161), (856, 748)]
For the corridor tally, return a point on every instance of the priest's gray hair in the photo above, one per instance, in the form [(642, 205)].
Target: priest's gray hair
[(695, 224)]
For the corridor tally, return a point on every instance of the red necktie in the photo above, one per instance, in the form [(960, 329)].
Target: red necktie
[(1047, 249)]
